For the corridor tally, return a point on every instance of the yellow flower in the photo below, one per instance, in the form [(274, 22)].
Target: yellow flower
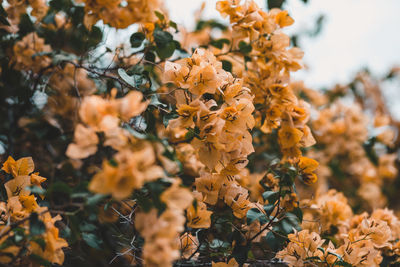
[(132, 171), (232, 263), (186, 116), (308, 165), (53, 250), (17, 186), (188, 245), (28, 202), (36, 179), (199, 216), (177, 197), (289, 136), (130, 105), (86, 141), (283, 19), (237, 197), (209, 185), (23, 166)]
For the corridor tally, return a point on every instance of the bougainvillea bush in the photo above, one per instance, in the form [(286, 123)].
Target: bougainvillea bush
[(185, 147)]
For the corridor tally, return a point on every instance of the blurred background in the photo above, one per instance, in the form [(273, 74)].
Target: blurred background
[(339, 38)]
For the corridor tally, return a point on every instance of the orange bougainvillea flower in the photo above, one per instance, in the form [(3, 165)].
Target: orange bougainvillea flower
[(308, 164), (23, 166), (28, 202), (309, 177), (237, 198), (209, 185), (177, 197), (232, 263), (18, 186), (186, 116), (21, 204), (85, 143), (132, 170), (199, 216), (289, 136), (283, 19), (130, 105)]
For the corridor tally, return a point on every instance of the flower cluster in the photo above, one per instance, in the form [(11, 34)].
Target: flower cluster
[(186, 147), (69, 84), (269, 62), (17, 8), (19, 210), (222, 141), (162, 232), (359, 240), (134, 163), (118, 14), (29, 53), (343, 131)]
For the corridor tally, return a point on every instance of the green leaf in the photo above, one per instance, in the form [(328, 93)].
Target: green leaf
[(128, 79), (299, 214), (275, 3), (134, 132), (226, 65), (95, 36), (271, 196), (162, 38), (92, 240), (173, 25), (244, 47), (36, 226), (165, 43), (286, 227), (220, 43), (269, 208), (36, 190), (137, 39), (93, 200), (156, 102), (87, 227), (255, 214), (166, 50), (159, 15)]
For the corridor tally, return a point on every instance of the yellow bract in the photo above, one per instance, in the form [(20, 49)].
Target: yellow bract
[(21, 203), (23, 166)]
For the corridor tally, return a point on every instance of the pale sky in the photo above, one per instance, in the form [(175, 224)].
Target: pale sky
[(356, 34)]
